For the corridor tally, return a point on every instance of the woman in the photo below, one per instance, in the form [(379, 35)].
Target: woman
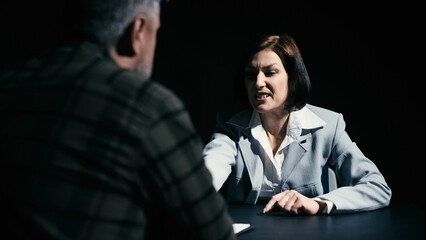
[(276, 151)]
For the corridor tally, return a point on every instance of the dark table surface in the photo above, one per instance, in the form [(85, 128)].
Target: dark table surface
[(387, 223)]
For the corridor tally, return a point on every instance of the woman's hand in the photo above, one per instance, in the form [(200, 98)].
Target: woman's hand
[(294, 202)]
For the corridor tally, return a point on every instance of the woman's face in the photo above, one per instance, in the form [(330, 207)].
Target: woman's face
[(266, 82)]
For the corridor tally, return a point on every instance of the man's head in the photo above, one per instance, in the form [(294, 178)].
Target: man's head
[(127, 28)]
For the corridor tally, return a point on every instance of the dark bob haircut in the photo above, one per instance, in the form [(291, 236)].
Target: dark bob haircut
[(298, 80)]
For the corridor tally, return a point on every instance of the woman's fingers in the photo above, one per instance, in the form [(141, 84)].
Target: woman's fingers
[(272, 202), (292, 201), (280, 200), (287, 202)]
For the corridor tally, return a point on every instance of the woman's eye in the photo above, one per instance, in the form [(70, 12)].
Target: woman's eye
[(270, 73)]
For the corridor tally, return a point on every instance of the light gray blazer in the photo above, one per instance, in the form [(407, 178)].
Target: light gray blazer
[(230, 155)]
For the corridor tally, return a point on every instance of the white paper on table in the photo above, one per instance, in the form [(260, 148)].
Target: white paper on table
[(240, 227)]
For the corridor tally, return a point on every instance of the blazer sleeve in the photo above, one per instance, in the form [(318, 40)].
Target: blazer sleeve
[(220, 153), (363, 186)]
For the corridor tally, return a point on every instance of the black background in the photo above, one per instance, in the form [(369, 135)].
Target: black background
[(365, 60)]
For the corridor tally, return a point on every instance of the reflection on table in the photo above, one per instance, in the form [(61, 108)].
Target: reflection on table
[(388, 223)]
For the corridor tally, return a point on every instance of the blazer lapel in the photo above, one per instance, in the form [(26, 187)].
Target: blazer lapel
[(249, 154), (254, 168), (295, 152)]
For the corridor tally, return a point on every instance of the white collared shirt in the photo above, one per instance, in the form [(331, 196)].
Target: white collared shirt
[(272, 178)]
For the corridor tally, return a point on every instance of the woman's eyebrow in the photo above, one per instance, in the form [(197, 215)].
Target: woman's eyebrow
[(251, 67), (269, 66)]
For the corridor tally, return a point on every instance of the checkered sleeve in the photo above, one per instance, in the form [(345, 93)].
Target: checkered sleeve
[(97, 152), (177, 170)]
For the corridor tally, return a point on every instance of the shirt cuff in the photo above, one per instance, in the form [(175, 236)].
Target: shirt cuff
[(328, 208)]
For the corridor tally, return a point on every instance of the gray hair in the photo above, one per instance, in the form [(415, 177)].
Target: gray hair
[(107, 20)]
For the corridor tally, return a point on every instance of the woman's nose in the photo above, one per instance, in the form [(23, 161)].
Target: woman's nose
[(260, 81)]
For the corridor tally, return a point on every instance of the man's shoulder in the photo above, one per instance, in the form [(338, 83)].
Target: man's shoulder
[(153, 94), (128, 85)]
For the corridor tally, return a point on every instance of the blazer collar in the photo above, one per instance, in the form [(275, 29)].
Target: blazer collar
[(242, 119), (300, 122)]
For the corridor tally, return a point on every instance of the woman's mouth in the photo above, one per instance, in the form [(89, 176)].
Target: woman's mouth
[(262, 96)]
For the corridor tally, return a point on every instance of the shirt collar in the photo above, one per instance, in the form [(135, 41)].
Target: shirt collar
[(298, 120)]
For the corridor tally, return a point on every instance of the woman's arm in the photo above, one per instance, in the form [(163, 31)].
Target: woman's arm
[(363, 186), (219, 154)]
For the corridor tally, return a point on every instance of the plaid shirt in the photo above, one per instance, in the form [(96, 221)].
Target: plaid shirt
[(92, 151)]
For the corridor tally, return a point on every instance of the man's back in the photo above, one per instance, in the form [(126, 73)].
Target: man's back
[(92, 151)]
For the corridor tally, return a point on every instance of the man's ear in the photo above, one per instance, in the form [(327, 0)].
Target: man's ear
[(129, 43), (139, 28)]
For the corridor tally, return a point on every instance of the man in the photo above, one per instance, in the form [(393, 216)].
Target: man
[(91, 149)]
